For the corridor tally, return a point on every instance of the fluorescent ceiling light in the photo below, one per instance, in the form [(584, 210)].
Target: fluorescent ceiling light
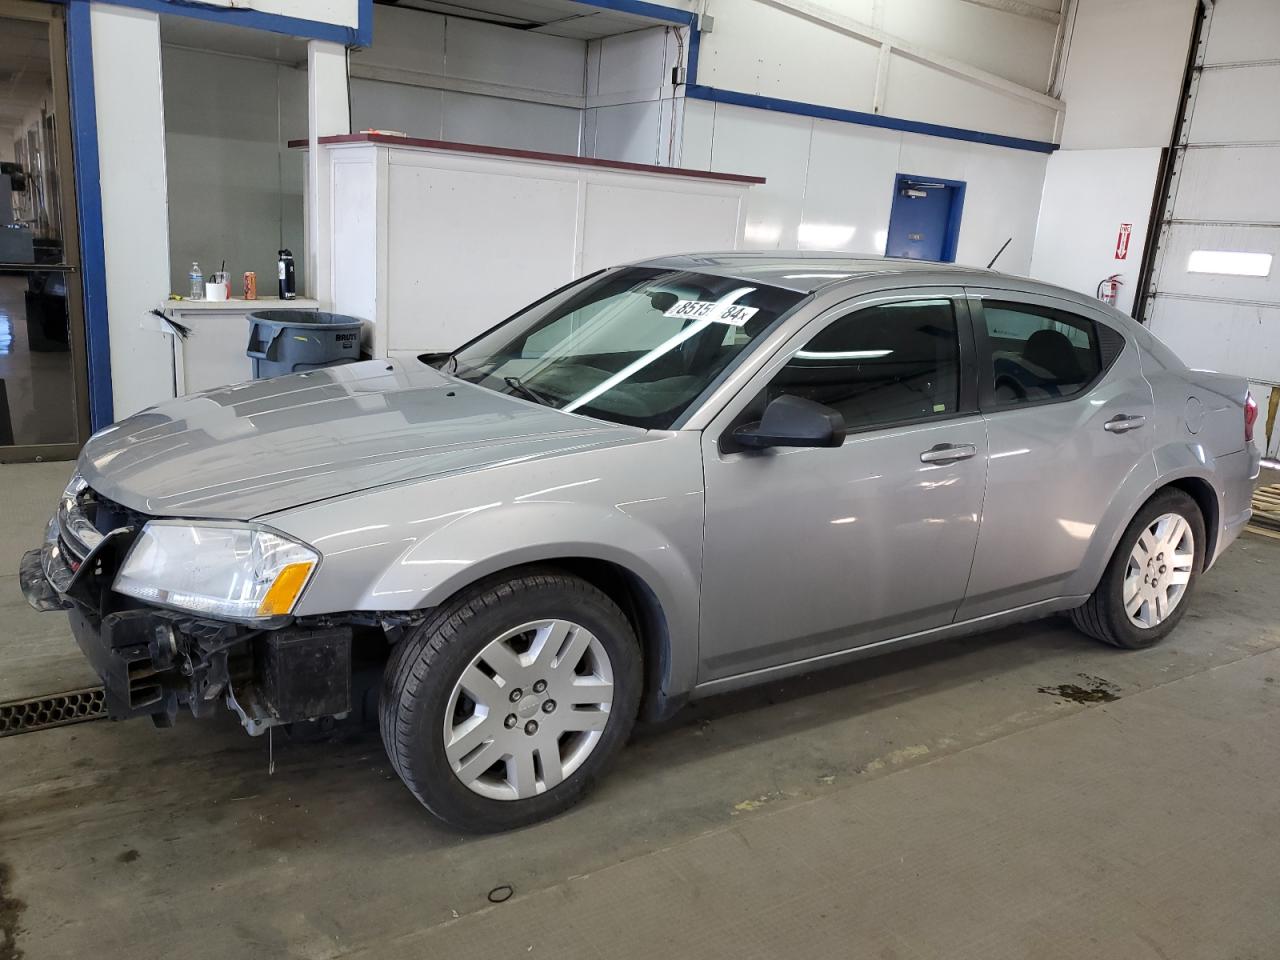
[(1229, 262)]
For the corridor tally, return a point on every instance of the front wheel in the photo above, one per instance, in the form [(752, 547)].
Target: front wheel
[(504, 707), (1148, 583)]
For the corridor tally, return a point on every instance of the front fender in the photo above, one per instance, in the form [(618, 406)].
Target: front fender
[(482, 542), (412, 546)]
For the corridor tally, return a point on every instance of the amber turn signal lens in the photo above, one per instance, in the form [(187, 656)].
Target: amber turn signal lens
[(285, 591)]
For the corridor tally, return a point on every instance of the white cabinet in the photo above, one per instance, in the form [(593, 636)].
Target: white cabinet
[(436, 242)]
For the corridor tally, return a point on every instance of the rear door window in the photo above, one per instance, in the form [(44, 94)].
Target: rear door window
[(1037, 353)]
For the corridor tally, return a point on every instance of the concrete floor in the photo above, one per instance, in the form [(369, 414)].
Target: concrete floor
[(1024, 793)]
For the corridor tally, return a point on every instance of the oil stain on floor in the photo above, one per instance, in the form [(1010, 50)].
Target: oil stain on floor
[(10, 909), (1090, 690)]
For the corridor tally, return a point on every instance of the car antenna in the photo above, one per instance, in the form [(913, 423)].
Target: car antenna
[(998, 252)]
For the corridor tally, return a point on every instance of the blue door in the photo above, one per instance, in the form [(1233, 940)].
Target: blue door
[(924, 222)]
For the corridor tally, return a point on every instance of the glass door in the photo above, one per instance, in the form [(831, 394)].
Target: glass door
[(43, 380)]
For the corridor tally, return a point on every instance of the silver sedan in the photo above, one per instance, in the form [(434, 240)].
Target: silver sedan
[(662, 481)]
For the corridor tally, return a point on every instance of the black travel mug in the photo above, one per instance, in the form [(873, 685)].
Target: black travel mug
[(284, 270)]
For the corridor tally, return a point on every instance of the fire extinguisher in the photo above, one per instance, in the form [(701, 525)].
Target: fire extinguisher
[(1108, 289)]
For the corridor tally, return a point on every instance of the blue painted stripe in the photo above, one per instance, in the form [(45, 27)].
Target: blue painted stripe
[(695, 48), (799, 108), (93, 264), (364, 24), (642, 8), (360, 35)]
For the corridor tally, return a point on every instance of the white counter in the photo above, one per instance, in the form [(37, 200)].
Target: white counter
[(212, 355)]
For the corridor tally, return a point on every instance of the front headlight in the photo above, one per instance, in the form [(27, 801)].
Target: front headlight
[(232, 571)]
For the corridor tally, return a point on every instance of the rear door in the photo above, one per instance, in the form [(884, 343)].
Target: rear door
[(1069, 418)]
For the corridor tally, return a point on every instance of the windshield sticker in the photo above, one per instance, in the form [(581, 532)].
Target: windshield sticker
[(730, 313)]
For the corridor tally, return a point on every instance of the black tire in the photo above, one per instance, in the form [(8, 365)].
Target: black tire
[(424, 667), (1103, 615)]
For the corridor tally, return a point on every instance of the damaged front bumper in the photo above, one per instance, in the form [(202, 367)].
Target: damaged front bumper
[(152, 662)]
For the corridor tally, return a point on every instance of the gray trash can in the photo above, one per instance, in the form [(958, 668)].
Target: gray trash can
[(290, 341)]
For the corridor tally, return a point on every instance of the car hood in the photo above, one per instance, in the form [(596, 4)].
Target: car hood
[(252, 449)]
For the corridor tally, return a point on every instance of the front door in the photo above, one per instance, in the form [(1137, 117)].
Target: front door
[(1067, 410), (43, 386), (809, 552)]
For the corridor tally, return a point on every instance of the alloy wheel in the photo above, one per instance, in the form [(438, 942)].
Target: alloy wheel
[(1159, 570), (528, 710)]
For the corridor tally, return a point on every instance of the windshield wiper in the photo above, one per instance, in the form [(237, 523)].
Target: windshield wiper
[(516, 384)]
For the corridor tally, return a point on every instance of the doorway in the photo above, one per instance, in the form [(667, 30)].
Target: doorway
[(44, 411), (924, 221)]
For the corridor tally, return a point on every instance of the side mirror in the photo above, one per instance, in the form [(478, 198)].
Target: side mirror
[(793, 422)]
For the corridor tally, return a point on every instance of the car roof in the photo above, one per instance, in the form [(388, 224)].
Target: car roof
[(806, 271), (811, 271)]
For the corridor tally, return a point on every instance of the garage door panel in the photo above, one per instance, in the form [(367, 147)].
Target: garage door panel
[(1230, 183), (1226, 203), (1237, 105), (1183, 239), (1243, 30), (1234, 338)]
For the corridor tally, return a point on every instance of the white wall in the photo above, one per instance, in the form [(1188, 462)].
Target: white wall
[(131, 152), (632, 110), (446, 78), (1122, 83), (1087, 195), (235, 189), (767, 48), (829, 185), (1123, 72)]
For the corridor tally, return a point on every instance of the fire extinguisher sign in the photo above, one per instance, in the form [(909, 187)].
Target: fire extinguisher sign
[(1122, 241)]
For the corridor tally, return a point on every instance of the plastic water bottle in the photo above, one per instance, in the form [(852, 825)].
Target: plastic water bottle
[(196, 279)]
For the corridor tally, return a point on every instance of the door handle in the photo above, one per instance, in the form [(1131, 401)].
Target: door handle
[(1123, 423), (948, 453)]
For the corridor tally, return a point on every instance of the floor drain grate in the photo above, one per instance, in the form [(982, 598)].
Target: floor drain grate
[(55, 710)]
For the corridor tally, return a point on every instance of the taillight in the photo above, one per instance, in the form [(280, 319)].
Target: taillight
[(1250, 416)]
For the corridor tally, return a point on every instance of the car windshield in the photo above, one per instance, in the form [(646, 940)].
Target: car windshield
[(636, 345)]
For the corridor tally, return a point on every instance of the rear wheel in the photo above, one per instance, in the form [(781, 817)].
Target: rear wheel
[(505, 706), (1148, 583)]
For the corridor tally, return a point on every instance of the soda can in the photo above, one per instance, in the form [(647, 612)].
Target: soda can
[(250, 285)]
